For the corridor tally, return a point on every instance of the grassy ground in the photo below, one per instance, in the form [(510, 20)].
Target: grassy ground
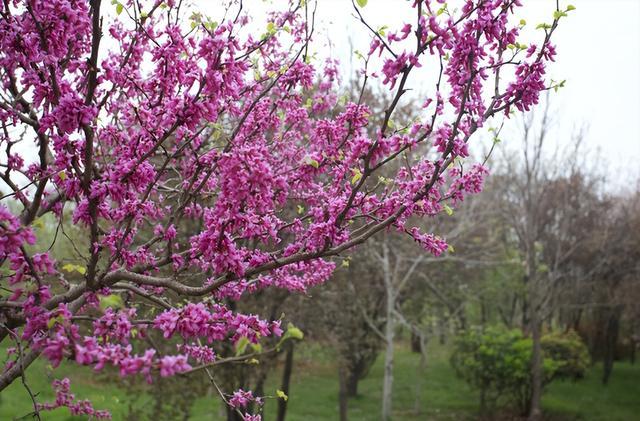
[(313, 394)]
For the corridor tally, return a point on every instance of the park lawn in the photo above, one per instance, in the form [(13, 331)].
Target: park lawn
[(313, 392)]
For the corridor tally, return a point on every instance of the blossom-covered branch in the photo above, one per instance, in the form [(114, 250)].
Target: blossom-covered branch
[(206, 160)]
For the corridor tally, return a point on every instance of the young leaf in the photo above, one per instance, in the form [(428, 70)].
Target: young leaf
[(241, 345), (448, 209), (111, 301), (282, 395), (310, 161), (52, 321), (362, 3), (357, 175), (70, 267), (293, 332)]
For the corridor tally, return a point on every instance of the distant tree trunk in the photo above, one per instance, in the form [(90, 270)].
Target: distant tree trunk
[(525, 313), (232, 414), (442, 329), (389, 335), (387, 387), (576, 320), (342, 393), (462, 321), (352, 382), (536, 369), (483, 398), (483, 313), (610, 341), (286, 380), (258, 390), (422, 366), (415, 343)]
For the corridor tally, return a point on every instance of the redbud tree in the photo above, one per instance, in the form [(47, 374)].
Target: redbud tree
[(205, 160)]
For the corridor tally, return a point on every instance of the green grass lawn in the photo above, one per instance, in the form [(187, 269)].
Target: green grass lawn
[(313, 393)]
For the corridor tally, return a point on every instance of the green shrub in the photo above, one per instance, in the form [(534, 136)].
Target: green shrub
[(569, 353), (497, 361)]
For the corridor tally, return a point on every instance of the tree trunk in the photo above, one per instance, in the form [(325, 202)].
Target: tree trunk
[(352, 382), (422, 366), (286, 380), (442, 329), (232, 414), (415, 343), (483, 398), (387, 388), (462, 320), (525, 312), (389, 335), (483, 313), (536, 369), (611, 339), (342, 393)]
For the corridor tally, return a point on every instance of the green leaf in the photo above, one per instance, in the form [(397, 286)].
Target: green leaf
[(70, 267), (211, 25), (282, 395), (312, 162), (357, 175), (119, 8), (241, 345), (570, 7), (362, 3), (558, 14), (38, 223), (293, 332), (111, 301), (52, 321), (523, 22), (448, 209)]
